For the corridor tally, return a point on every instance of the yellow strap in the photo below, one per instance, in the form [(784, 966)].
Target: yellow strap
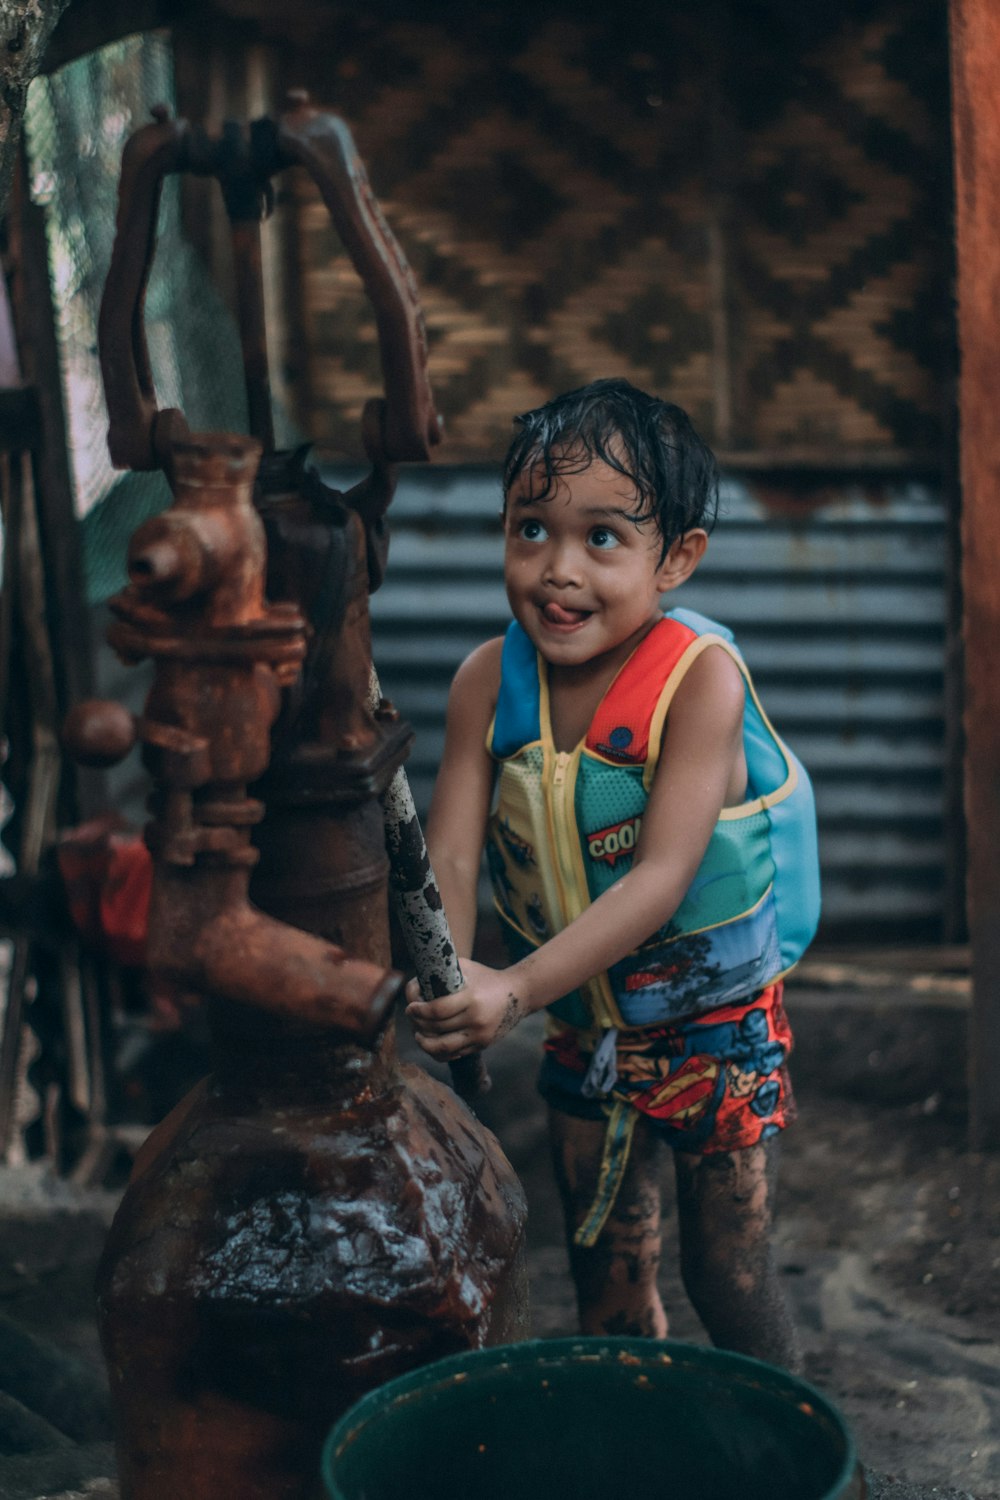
[(614, 1160)]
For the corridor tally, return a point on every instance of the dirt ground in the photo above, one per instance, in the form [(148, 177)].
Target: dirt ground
[(888, 1243), (888, 1236)]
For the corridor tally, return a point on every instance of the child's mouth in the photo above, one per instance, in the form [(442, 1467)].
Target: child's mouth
[(563, 618)]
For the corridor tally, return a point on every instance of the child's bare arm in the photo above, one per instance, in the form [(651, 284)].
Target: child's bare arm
[(456, 823), (702, 745)]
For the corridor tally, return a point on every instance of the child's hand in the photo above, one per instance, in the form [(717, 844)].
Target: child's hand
[(485, 1010)]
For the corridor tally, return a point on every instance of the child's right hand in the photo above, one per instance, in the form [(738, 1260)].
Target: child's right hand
[(471, 1019)]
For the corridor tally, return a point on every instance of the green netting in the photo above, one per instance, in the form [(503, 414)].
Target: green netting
[(77, 123)]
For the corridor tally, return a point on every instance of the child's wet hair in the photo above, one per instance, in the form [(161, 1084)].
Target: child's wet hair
[(648, 440)]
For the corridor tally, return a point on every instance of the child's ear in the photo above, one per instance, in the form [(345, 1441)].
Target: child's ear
[(683, 557)]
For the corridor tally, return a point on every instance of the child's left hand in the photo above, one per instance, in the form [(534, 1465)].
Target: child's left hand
[(471, 1019)]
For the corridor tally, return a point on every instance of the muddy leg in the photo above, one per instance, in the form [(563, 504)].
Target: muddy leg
[(615, 1279), (725, 1207)]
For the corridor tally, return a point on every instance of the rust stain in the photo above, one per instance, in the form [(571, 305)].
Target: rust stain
[(801, 500)]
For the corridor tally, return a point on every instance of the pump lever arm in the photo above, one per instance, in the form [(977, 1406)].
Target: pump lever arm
[(322, 143), (138, 432), (402, 426), (420, 909)]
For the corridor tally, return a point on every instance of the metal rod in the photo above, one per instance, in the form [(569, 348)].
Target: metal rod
[(421, 913), (249, 276)]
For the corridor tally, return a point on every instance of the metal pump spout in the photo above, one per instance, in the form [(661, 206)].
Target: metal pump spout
[(195, 604)]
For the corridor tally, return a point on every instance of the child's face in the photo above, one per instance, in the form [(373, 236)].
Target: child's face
[(583, 580)]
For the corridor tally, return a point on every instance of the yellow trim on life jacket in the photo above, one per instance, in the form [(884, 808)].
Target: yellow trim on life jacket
[(791, 781), (673, 682), (656, 941), (559, 773)]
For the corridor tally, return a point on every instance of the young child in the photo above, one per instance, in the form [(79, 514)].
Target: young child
[(653, 857)]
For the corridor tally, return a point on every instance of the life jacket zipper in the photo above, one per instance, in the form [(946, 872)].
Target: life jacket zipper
[(561, 830), (561, 794)]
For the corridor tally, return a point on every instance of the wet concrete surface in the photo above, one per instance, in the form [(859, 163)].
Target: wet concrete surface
[(888, 1241)]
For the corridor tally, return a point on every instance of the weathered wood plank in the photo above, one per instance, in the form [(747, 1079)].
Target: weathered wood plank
[(976, 107)]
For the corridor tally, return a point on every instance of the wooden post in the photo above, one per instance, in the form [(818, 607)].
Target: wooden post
[(975, 31), (25, 28)]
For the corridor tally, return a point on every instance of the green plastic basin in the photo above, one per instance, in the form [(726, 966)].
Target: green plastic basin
[(592, 1419)]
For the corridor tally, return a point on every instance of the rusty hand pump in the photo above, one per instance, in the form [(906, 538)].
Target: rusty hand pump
[(314, 1218), (307, 532)]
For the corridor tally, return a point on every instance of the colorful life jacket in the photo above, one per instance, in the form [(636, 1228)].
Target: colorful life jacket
[(566, 826)]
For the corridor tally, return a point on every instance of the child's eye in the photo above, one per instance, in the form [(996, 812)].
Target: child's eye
[(532, 531), (602, 538)]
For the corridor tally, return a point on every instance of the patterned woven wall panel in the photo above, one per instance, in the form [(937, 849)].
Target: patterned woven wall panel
[(744, 208), (836, 246)]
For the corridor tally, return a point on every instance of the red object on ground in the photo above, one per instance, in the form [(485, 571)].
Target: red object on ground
[(108, 874)]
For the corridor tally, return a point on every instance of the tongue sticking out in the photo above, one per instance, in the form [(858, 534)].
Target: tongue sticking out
[(557, 615)]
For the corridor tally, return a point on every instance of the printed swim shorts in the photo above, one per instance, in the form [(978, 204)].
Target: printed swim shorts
[(709, 1083)]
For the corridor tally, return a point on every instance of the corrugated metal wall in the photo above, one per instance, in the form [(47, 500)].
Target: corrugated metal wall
[(839, 608)]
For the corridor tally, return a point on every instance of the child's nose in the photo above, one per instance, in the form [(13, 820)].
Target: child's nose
[(562, 563)]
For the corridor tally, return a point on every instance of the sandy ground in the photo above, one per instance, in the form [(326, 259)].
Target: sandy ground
[(888, 1242)]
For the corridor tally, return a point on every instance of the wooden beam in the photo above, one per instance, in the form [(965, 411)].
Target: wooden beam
[(44, 430), (25, 29), (975, 31), (38, 349)]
